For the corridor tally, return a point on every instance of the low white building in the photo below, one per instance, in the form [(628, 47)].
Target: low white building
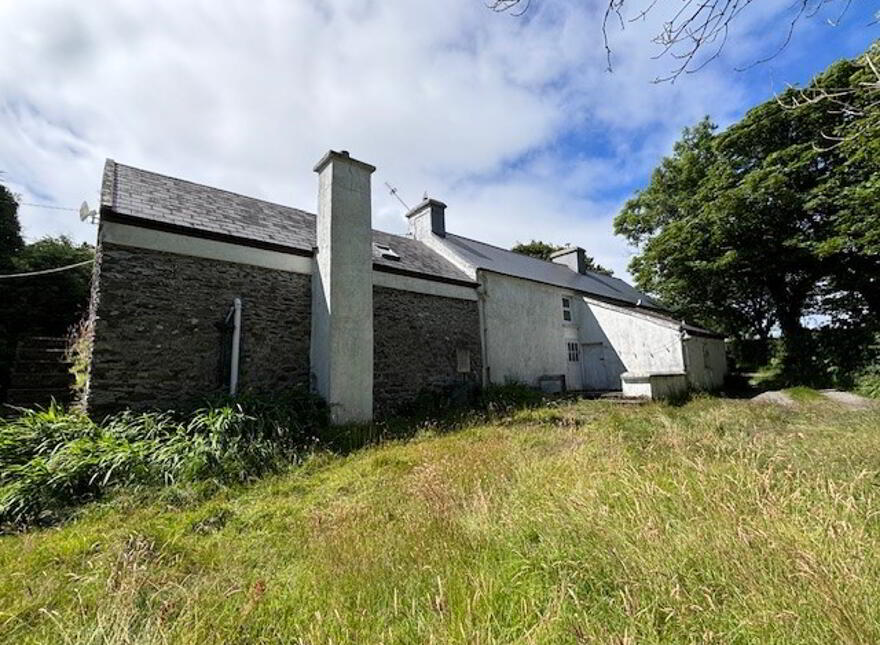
[(199, 292)]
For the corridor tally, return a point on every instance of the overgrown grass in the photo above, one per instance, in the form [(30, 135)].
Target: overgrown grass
[(52, 459), (717, 521)]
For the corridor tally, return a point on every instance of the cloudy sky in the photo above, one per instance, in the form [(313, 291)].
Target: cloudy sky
[(513, 122)]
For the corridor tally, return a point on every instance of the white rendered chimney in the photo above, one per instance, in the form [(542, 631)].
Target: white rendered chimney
[(574, 257), (342, 289), (427, 218)]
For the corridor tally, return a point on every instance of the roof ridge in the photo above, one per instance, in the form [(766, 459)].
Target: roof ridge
[(532, 257)]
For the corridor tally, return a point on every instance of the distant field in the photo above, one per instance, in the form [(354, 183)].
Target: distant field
[(718, 521)]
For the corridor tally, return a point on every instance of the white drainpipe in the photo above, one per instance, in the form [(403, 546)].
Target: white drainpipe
[(236, 345)]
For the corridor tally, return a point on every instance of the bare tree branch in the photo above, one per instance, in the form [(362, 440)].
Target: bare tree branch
[(690, 27)]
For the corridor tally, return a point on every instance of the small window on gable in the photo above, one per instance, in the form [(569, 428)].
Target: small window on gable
[(385, 251), (566, 309), (574, 352)]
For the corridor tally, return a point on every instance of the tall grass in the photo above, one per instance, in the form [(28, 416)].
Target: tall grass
[(53, 459), (715, 522)]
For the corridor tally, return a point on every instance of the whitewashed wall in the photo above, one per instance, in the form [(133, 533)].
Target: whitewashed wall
[(706, 362), (640, 343), (524, 334)]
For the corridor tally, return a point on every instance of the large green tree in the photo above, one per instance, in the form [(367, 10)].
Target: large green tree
[(768, 221)]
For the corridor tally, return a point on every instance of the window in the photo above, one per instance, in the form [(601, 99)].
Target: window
[(574, 352), (385, 251), (566, 309)]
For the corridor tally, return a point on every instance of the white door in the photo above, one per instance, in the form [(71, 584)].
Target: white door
[(573, 376), (594, 369)]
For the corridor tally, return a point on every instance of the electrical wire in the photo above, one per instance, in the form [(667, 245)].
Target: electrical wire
[(54, 208), (45, 271)]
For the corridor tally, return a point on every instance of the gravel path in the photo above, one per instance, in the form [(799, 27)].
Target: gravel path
[(849, 400), (846, 399), (775, 397)]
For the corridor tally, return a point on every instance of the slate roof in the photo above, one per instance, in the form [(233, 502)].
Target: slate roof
[(159, 200), (492, 258), (604, 287)]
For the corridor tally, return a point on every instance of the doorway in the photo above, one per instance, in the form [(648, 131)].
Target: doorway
[(573, 375), (595, 370)]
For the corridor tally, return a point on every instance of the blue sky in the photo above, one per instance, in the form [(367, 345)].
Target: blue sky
[(513, 122)]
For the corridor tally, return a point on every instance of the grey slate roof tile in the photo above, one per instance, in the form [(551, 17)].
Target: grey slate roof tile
[(166, 200), (492, 258)]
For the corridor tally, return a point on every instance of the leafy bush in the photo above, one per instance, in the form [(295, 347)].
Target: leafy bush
[(51, 459), (868, 382), (79, 352), (508, 397)]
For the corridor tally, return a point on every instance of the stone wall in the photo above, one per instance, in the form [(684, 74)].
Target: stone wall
[(157, 344), (417, 341)]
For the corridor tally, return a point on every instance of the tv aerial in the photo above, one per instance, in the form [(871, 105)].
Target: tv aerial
[(86, 214)]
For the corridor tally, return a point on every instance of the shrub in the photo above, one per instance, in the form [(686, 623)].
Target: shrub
[(868, 382), (79, 352), (51, 459), (508, 397)]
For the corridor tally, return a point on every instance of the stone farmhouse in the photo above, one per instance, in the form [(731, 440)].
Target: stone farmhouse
[(199, 291)]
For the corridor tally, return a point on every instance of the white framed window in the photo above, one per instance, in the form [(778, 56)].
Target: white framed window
[(574, 352), (566, 309)]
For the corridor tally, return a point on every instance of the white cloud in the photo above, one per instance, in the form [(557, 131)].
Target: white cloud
[(478, 109)]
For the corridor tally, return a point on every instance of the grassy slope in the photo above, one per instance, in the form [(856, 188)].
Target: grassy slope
[(718, 521)]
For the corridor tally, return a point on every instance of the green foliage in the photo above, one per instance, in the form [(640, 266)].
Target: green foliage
[(50, 304), (502, 399), (718, 521), (765, 222), (868, 382), (10, 230), (543, 251), (79, 352), (536, 249), (51, 459)]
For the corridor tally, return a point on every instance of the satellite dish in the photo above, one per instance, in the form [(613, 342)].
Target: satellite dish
[(85, 213)]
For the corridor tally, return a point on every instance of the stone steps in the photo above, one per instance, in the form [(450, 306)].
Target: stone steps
[(40, 373)]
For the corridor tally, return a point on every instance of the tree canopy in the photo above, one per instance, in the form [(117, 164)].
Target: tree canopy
[(10, 230), (543, 251), (768, 221)]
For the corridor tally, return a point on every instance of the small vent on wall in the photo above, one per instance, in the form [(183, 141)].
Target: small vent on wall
[(385, 251)]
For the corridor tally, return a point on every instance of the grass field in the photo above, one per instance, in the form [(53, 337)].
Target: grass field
[(717, 521)]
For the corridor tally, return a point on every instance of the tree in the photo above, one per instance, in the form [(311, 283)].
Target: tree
[(694, 32), (536, 249), (10, 230), (760, 224), (543, 251), (50, 303)]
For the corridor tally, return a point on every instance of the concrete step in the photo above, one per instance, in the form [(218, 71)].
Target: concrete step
[(41, 396), (40, 353), (51, 366), (41, 342), (53, 379)]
